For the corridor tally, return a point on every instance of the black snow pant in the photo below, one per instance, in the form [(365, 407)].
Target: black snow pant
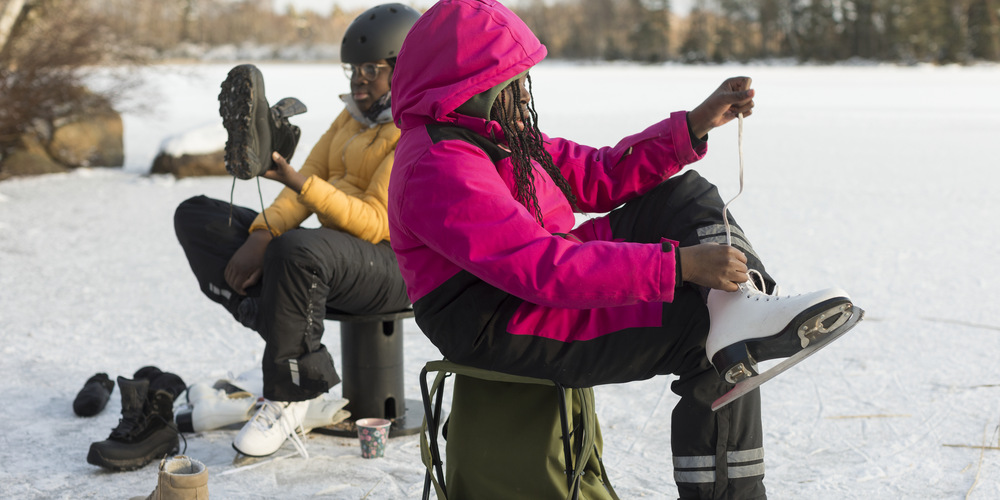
[(717, 454), (306, 272)]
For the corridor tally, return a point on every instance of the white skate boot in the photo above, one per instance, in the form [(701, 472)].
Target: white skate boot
[(749, 326), (325, 411), (208, 408), (233, 400)]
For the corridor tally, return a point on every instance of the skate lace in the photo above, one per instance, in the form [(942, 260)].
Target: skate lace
[(752, 291), (725, 208), (750, 286), (270, 414)]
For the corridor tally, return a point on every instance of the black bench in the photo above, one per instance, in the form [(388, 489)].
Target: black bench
[(372, 375)]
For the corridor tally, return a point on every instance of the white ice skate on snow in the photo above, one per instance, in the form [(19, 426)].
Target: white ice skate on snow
[(233, 401), (207, 408), (749, 326)]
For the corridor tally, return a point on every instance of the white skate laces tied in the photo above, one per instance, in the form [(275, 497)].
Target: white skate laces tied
[(750, 284), (271, 414)]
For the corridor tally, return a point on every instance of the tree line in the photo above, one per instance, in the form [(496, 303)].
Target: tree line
[(899, 31), (47, 46)]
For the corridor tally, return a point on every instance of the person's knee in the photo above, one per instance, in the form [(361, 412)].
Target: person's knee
[(187, 208), (194, 203), (292, 246), (690, 185), (184, 212)]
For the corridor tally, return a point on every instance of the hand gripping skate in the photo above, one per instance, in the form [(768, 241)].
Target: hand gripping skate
[(749, 326)]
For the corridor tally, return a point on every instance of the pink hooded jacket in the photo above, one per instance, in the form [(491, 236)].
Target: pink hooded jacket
[(466, 247)]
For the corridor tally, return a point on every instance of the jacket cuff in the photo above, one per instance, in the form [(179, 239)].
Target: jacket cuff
[(688, 151), (670, 271)]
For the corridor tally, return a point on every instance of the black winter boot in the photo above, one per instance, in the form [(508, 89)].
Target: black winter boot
[(286, 137), (255, 129), (144, 433), (160, 380)]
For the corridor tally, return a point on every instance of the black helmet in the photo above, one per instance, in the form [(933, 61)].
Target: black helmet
[(377, 33)]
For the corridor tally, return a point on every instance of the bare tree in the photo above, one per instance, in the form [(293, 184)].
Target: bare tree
[(47, 54), (9, 13)]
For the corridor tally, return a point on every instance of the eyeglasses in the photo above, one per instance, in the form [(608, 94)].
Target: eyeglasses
[(367, 71)]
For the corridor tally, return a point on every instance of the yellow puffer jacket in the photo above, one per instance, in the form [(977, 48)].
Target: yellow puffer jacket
[(348, 182)]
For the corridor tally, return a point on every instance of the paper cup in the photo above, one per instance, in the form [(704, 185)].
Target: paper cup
[(373, 434)]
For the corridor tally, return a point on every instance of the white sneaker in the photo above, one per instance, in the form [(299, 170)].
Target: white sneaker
[(749, 326), (271, 425)]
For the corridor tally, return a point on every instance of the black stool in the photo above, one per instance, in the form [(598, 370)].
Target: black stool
[(371, 369)]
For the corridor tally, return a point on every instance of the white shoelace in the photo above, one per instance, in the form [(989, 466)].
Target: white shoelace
[(725, 209), (270, 414), (749, 284)]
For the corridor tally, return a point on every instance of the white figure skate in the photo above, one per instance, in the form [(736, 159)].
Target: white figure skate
[(208, 408), (233, 400), (749, 326)]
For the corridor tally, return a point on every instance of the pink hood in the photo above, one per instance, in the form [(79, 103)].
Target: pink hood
[(434, 75)]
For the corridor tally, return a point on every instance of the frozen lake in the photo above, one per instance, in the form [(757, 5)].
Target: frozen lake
[(881, 180)]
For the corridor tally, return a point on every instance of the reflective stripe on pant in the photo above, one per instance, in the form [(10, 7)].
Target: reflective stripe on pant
[(717, 454), (702, 469), (306, 272)]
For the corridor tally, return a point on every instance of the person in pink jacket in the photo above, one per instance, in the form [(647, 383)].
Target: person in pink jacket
[(481, 217)]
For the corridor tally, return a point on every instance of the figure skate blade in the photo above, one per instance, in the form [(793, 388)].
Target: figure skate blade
[(749, 384)]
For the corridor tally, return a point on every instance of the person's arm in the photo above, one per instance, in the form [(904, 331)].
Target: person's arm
[(712, 265), (363, 214), (245, 266), (285, 174), (732, 98), (287, 212), (604, 178)]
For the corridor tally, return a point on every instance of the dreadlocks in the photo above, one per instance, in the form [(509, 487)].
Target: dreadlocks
[(526, 145)]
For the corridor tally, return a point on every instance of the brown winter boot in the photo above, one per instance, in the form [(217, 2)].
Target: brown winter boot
[(181, 478)]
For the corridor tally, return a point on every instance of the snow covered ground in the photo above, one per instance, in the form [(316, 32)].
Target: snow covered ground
[(881, 180)]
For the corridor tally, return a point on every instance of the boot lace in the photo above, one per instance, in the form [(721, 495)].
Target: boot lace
[(130, 425), (135, 421)]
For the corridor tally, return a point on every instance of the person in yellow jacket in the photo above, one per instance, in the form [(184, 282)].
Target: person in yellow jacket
[(280, 279)]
